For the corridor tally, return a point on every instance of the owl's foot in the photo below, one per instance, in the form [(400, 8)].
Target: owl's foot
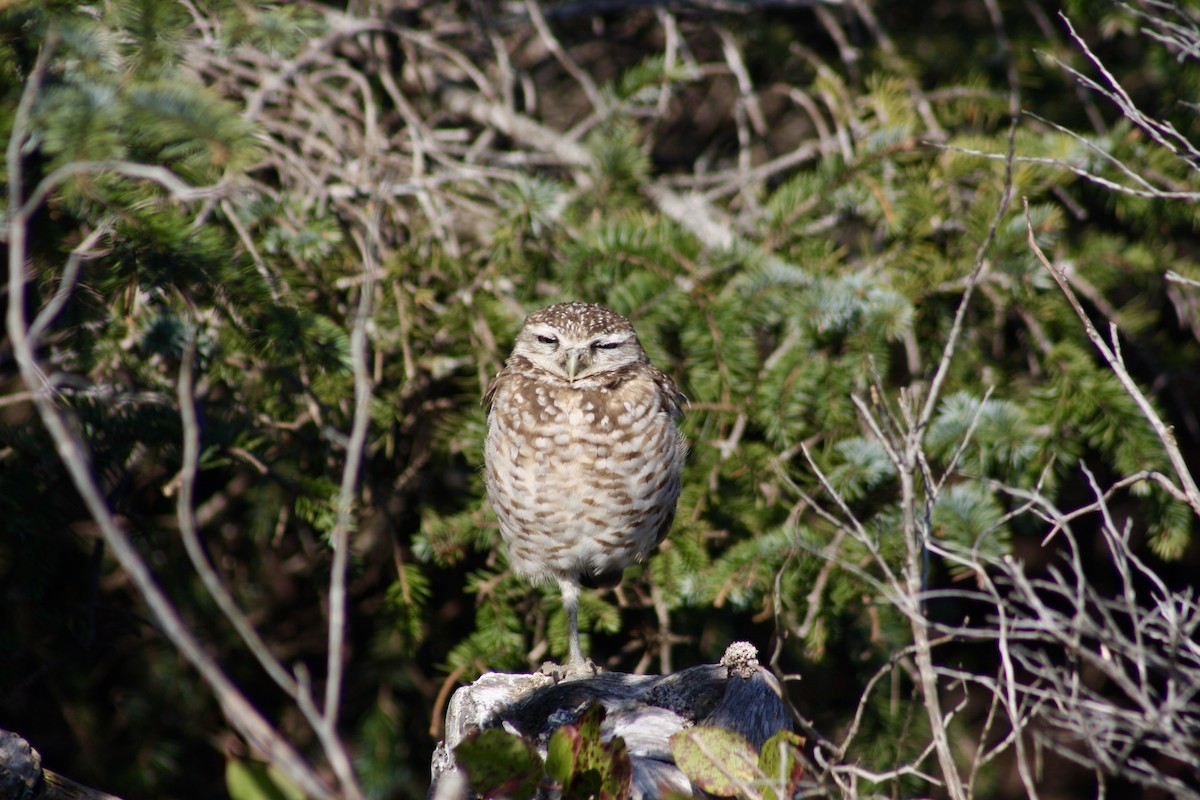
[(570, 671)]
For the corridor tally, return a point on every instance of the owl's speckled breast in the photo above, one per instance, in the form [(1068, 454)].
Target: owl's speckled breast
[(583, 478)]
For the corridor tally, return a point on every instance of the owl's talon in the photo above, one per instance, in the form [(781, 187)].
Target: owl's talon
[(569, 672)]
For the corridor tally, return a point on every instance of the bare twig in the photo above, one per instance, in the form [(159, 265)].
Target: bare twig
[(66, 284), (340, 536), (186, 516), (1161, 131), (552, 44), (1175, 277)]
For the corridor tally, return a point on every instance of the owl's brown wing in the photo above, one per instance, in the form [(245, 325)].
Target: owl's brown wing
[(503, 377), (673, 400)]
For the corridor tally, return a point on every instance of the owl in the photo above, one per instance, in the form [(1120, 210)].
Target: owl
[(583, 454)]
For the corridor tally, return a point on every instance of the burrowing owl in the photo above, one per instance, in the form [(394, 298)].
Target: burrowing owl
[(583, 454)]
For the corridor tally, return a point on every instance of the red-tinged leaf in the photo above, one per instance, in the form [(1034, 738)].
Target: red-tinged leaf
[(499, 764), (780, 763), (591, 750), (619, 781), (717, 760)]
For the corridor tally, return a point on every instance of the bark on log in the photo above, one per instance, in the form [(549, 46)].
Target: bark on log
[(644, 710)]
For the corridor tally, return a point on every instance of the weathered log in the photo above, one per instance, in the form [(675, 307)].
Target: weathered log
[(643, 710), (22, 776)]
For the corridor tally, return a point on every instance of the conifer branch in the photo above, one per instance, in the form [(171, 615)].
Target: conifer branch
[(1112, 357), (933, 396)]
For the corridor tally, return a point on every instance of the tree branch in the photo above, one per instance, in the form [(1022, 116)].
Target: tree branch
[(242, 714)]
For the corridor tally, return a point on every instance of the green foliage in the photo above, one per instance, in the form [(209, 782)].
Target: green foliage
[(280, 30), (584, 765), (500, 764), (969, 519), (578, 763), (407, 598), (642, 82), (502, 617), (986, 438), (619, 165)]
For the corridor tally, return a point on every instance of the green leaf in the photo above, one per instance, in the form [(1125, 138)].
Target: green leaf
[(780, 763), (719, 761), (253, 780), (562, 755)]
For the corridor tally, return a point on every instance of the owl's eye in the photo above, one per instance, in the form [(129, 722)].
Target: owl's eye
[(606, 345), (548, 339)]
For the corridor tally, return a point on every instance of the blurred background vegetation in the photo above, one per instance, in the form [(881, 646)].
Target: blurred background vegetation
[(786, 198)]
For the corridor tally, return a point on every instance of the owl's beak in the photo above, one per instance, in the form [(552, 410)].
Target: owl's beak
[(576, 359)]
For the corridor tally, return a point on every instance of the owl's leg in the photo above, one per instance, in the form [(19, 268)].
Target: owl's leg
[(577, 666), (570, 597)]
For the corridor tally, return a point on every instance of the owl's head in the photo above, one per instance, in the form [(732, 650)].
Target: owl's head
[(576, 341)]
